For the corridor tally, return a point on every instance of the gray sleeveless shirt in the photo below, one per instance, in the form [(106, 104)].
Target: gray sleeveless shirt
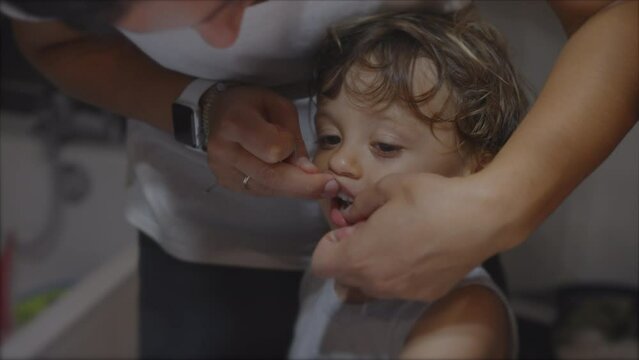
[(328, 328)]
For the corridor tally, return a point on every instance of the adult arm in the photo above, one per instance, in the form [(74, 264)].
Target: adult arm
[(108, 72), (415, 236), (257, 130)]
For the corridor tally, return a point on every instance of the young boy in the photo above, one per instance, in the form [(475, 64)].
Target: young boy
[(408, 93)]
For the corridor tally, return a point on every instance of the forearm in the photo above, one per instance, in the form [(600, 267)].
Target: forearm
[(586, 107), (110, 73)]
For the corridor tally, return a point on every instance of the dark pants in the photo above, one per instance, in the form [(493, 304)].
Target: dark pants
[(496, 270), (203, 311), (192, 310)]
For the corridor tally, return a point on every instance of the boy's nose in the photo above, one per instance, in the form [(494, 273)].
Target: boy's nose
[(344, 162)]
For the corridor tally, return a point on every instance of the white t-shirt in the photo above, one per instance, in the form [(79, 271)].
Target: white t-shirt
[(167, 196)]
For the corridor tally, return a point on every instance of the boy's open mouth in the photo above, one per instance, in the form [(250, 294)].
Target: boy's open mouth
[(343, 201), (338, 204)]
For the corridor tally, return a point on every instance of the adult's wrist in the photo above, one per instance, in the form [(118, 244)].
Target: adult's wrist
[(190, 125), (507, 209), (208, 102)]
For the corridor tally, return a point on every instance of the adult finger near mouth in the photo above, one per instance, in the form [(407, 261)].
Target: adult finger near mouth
[(280, 179), (232, 179), (331, 257), (364, 204)]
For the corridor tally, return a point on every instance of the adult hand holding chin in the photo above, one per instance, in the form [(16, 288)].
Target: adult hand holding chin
[(255, 146), (416, 235)]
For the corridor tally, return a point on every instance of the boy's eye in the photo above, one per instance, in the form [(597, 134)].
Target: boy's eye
[(385, 149), (328, 141)]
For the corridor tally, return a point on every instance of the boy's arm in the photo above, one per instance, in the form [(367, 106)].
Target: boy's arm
[(468, 323)]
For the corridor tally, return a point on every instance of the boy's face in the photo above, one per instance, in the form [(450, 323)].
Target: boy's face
[(360, 145)]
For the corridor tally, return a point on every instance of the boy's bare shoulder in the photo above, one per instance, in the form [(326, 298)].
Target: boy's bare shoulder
[(469, 322)]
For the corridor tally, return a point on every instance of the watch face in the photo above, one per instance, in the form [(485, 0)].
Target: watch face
[(183, 127)]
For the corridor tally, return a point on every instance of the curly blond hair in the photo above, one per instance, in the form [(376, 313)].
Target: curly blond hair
[(469, 56)]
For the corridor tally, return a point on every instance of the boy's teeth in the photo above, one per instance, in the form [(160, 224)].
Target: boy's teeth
[(343, 204), (344, 201), (344, 197)]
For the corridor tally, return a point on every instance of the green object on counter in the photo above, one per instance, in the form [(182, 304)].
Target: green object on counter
[(28, 309)]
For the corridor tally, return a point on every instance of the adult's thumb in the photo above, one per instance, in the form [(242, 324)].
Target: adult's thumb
[(283, 113), (329, 258)]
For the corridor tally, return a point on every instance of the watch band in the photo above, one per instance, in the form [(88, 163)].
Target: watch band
[(206, 103), (187, 117), (193, 91)]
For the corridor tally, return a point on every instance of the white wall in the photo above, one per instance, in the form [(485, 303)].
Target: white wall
[(593, 236)]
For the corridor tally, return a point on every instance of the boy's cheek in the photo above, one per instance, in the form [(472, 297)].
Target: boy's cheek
[(321, 160)]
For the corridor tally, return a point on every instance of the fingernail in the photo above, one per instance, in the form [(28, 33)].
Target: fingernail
[(343, 233), (332, 237), (330, 189)]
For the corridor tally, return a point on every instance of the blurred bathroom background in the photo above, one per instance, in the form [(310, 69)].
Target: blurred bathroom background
[(68, 257), (62, 228)]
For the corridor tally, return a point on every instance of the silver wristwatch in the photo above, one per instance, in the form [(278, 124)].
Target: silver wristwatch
[(189, 126)]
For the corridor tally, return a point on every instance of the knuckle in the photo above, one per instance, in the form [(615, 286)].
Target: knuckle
[(274, 153), (228, 127), (233, 157), (215, 149), (278, 151), (267, 175), (223, 153)]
